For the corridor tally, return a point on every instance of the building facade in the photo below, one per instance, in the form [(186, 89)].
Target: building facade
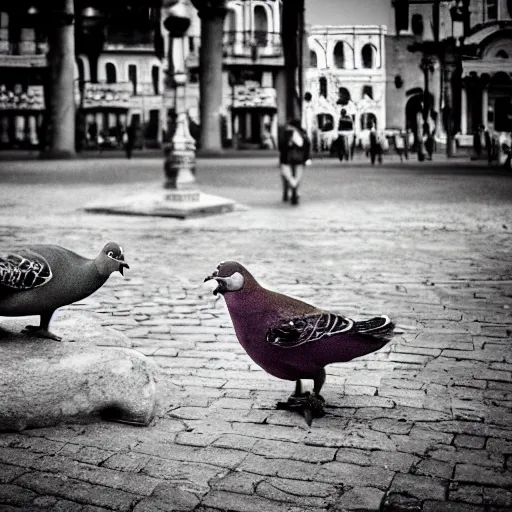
[(252, 73), (347, 71), (118, 78), (22, 75), (473, 77), (486, 93)]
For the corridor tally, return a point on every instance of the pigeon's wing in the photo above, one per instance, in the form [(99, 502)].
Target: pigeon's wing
[(24, 270), (304, 329), (296, 331)]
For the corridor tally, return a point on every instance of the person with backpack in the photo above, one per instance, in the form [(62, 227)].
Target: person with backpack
[(294, 153)]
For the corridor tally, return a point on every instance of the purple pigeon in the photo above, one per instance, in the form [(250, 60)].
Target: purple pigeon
[(291, 339)]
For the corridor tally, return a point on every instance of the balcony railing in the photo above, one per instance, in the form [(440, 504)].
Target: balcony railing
[(255, 45)]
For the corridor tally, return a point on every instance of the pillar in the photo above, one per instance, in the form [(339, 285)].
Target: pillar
[(463, 111), (485, 104), (61, 94), (292, 39), (210, 76)]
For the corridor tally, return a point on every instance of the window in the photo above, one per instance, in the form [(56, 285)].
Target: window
[(110, 72), (323, 86), (417, 24), (343, 96), (191, 44), (132, 77), (491, 10), (313, 59), (368, 91), (260, 25), (155, 76), (367, 56), (339, 55)]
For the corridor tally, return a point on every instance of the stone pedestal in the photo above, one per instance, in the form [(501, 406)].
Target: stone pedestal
[(45, 383)]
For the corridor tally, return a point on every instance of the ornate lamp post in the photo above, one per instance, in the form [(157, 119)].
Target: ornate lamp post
[(180, 154)]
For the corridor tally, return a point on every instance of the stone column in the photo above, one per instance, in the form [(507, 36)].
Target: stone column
[(485, 104), (463, 111), (292, 32), (61, 95), (210, 75), (449, 66)]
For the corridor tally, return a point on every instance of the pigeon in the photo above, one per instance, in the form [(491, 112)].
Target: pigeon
[(38, 279), (291, 339)]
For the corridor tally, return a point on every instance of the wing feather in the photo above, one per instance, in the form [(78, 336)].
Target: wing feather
[(306, 328), (24, 270), (303, 329)]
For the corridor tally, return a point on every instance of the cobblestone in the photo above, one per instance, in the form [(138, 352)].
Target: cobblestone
[(423, 425)]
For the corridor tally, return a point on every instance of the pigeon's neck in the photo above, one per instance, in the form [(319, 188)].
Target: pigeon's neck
[(245, 301), (102, 264)]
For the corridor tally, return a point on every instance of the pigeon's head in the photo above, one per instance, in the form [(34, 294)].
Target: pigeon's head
[(231, 276), (111, 259)]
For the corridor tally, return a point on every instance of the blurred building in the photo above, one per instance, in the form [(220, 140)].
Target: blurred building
[(118, 78), (470, 70), (346, 75), (486, 94), (22, 74), (252, 66)]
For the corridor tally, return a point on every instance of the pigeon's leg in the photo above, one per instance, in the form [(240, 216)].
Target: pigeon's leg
[(318, 382), (298, 389), (41, 330)]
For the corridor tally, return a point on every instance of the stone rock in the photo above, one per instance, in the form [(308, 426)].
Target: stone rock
[(44, 382)]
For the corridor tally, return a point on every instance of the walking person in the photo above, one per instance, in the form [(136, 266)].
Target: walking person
[(294, 153), (400, 145), (129, 140), (375, 147)]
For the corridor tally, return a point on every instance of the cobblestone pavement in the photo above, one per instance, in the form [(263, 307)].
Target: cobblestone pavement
[(423, 425)]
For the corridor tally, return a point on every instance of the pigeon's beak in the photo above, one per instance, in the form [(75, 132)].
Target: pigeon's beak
[(122, 266), (221, 283)]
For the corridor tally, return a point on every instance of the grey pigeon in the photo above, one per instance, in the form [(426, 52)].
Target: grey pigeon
[(291, 339), (38, 279)]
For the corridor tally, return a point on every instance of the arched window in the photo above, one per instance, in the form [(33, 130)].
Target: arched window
[(260, 25), (323, 86), (502, 54), (339, 55), (368, 56), (155, 76), (132, 77), (417, 24), (110, 72), (343, 96), (313, 59), (368, 91)]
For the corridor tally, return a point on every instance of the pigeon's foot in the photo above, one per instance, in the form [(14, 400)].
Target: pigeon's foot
[(310, 405), (40, 332)]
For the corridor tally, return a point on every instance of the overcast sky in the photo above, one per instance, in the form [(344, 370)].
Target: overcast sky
[(348, 12)]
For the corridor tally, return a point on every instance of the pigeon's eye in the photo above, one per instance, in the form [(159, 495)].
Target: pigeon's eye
[(110, 254)]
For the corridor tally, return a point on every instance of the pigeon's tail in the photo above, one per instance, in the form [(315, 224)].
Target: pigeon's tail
[(380, 328)]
